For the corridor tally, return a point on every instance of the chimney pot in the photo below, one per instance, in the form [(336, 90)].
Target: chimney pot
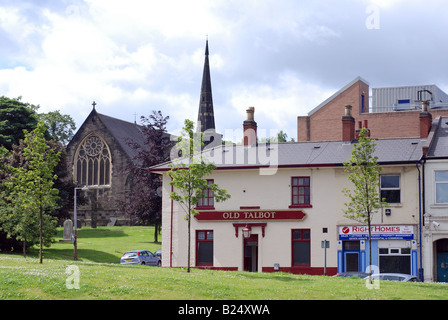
[(250, 114), (348, 110), (250, 128)]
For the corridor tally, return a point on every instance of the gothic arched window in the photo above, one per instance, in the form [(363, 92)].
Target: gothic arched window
[(92, 162)]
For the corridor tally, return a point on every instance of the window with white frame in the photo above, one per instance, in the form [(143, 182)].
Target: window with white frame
[(441, 181), (390, 188)]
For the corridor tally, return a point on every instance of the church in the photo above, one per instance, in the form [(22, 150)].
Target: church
[(98, 154)]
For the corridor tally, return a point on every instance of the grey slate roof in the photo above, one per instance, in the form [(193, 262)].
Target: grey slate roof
[(326, 153), (122, 130)]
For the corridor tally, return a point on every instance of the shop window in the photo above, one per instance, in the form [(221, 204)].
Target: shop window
[(301, 247), (441, 179), (204, 247), (390, 188), (300, 192), (208, 200), (395, 260)]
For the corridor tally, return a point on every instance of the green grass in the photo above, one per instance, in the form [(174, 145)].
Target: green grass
[(102, 244), (102, 277)]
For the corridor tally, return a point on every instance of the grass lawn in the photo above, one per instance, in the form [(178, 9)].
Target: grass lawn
[(102, 244), (102, 277)]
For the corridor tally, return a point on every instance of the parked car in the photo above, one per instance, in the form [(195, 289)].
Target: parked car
[(143, 257), (393, 277), (352, 274)]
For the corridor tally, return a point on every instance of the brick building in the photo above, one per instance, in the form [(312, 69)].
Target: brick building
[(323, 122)]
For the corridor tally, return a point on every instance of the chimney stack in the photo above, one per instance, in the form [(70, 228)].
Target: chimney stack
[(250, 128), (425, 120), (348, 125)]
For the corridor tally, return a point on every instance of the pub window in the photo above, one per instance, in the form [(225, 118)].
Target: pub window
[(204, 247), (92, 162), (390, 188), (300, 189), (441, 179), (208, 200), (301, 253)]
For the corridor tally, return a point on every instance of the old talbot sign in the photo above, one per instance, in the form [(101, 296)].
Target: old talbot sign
[(250, 215)]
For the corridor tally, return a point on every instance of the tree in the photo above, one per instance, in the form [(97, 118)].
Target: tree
[(363, 171), (15, 116), (143, 200), (31, 194), (60, 126), (187, 176)]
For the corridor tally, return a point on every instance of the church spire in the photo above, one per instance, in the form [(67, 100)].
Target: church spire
[(206, 117)]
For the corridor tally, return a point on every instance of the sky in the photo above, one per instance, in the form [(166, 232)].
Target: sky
[(283, 57)]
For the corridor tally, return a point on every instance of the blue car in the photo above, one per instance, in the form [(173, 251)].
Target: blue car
[(143, 257)]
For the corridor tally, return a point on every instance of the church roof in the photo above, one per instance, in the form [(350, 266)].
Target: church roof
[(122, 131)]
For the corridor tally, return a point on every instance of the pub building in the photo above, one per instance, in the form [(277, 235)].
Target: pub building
[(286, 204)]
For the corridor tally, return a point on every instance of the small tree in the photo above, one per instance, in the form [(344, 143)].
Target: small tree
[(187, 176), (31, 193), (363, 171)]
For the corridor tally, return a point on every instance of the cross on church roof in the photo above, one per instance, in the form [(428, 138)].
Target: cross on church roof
[(94, 104)]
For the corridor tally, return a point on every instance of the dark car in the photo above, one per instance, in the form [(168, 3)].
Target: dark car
[(361, 275), (143, 257)]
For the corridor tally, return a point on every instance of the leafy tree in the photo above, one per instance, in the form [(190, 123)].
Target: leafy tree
[(61, 127), (187, 176), (31, 193), (15, 116), (142, 200), (363, 171)]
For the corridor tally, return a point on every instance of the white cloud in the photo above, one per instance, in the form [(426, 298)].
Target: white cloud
[(139, 55), (277, 107)]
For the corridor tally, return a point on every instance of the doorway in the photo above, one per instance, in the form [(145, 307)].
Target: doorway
[(351, 261), (442, 260), (251, 253), (351, 255)]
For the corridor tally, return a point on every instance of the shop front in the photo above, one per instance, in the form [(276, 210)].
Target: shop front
[(394, 248)]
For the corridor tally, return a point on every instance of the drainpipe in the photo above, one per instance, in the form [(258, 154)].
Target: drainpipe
[(420, 270)]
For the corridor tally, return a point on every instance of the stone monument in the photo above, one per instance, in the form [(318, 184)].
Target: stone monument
[(68, 231)]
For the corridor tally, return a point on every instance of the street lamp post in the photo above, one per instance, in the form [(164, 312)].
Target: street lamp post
[(75, 238)]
